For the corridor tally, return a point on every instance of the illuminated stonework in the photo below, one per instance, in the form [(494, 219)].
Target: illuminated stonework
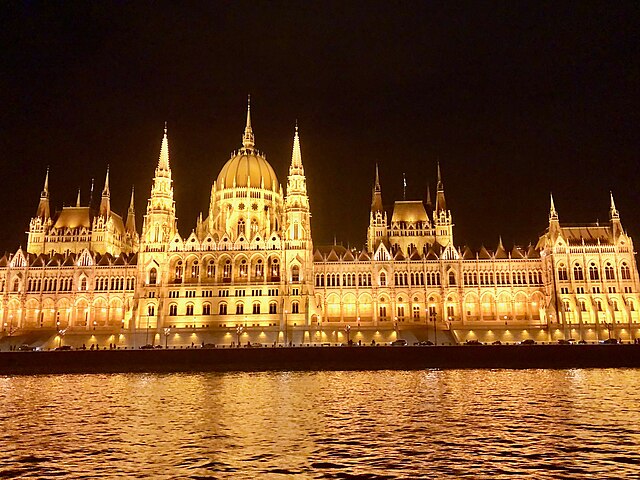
[(250, 265)]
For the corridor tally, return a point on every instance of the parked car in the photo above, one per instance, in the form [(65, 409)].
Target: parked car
[(427, 343), (64, 348), (497, 342), (582, 342), (148, 346), (564, 342), (399, 343), (473, 342), (610, 341), (528, 341), (209, 345), (255, 345), (26, 348)]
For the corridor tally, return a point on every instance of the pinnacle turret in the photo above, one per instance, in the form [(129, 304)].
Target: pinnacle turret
[(553, 214), (296, 155), (613, 211), (247, 138), (376, 200), (44, 211), (163, 161), (441, 203), (105, 202), (131, 215)]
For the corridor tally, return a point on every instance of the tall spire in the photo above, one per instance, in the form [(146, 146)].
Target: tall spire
[(441, 203), (553, 214), (131, 215), (247, 138), (163, 161), (429, 203), (78, 200), (105, 202), (296, 156), (43, 206), (613, 211), (376, 200)]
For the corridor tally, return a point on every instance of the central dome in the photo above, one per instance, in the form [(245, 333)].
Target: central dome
[(248, 169)]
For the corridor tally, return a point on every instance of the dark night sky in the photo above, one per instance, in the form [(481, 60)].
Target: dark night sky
[(515, 99)]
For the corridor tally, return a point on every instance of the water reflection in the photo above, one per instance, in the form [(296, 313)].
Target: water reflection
[(475, 424)]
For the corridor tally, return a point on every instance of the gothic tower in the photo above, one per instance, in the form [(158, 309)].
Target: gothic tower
[(377, 231)]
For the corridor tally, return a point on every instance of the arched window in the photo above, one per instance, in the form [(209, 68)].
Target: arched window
[(83, 284), (577, 272), (239, 308), (222, 309), (211, 269), (244, 268), (254, 226), (226, 271), (275, 270), (173, 310), (240, 229), (153, 276), (195, 270), (295, 273), (583, 306), (151, 310), (259, 269), (562, 273), (383, 279), (625, 272), (594, 274), (190, 309), (273, 308), (256, 308), (609, 273), (206, 309), (16, 285), (295, 307), (179, 271), (452, 278)]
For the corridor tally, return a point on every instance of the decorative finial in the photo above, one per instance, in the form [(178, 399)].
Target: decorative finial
[(78, 200), (553, 214), (165, 128), (404, 186), (247, 139), (613, 211)]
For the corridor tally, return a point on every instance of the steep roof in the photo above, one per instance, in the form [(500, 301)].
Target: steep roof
[(409, 211)]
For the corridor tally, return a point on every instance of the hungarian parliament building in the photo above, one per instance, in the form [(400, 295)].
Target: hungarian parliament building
[(250, 265)]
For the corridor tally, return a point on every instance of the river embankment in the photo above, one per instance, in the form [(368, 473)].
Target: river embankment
[(321, 358)]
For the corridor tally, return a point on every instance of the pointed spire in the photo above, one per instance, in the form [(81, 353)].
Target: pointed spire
[(43, 206), (105, 202), (163, 161), (376, 200), (247, 138), (296, 156), (429, 203), (441, 203), (553, 214), (78, 200), (131, 214), (613, 211)]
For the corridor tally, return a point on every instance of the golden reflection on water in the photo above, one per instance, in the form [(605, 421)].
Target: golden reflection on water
[(418, 424)]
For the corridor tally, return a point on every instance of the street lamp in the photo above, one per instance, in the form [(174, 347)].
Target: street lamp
[(348, 330), (239, 330), (166, 331)]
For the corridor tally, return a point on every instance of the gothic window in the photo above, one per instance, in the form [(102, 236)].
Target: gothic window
[(243, 268), (211, 269), (401, 311), (577, 272), (566, 305), (179, 271), (222, 309), (295, 273), (609, 273), (598, 305), (383, 279), (206, 309), (562, 273), (195, 270), (614, 305), (256, 308), (16, 285), (452, 278), (173, 310), (259, 269), (254, 226), (190, 309), (240, 227), (632, 306), (83, 284), (151, 310), (275, 270), (594, 274), (383, 312), (450, 312), (239, 308), (226, 271), (625, 272), (295, 307), (153, 276), (273, 308), (416, 312), (583, 306)]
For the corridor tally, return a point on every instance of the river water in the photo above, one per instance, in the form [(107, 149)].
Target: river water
[(342, 425)]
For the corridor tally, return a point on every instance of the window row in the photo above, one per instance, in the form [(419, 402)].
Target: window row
[(594, 272)]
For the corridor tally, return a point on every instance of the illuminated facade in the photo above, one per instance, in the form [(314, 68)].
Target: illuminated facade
[(250, 266)]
